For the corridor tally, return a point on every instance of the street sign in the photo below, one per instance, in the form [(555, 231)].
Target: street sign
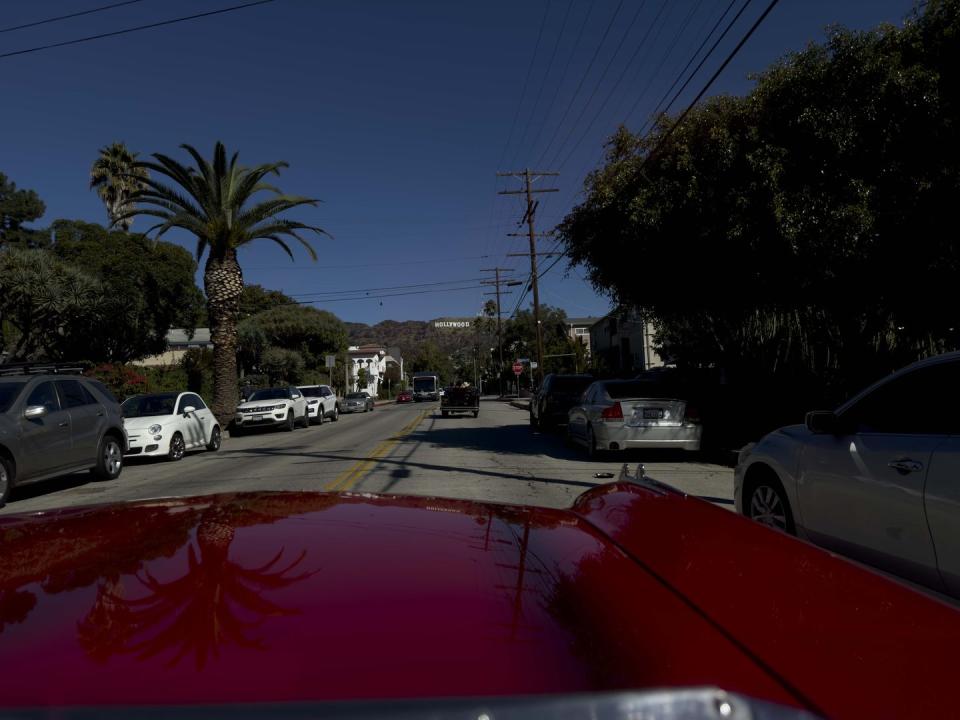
[(517, 368), (331, 361), (533, 365)]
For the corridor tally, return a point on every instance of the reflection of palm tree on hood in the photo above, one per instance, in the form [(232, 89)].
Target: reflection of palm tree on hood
[(216, 601)]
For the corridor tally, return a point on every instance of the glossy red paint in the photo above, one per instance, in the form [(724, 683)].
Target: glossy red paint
[(850, 641), (296, 597)]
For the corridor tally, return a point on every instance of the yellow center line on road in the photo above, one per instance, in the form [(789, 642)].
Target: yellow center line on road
[(356, 472)]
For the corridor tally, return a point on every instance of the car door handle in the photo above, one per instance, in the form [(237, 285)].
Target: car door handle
[(63, 424), (100, 414), (905, 465)]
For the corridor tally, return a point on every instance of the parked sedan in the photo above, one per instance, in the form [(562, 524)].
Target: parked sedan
[(272, 407), (628, 414), (405, 396), (875, 480), (169, 424), (551, 403), (356, 402)]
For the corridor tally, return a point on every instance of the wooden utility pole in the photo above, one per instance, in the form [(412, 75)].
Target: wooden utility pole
[(529, 176), (497, 282)]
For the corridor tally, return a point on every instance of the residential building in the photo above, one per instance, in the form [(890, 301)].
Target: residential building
[(579, 329), (373, 359), (178, 342), (622, 343)]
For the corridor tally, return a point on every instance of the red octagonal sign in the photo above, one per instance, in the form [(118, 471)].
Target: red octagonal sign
[(517, 368)]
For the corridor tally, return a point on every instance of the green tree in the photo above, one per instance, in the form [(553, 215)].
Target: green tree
[(362, 379), (56, 311), (310, 332), (256, 299), (215, 202), (150, 285), (429, 358), (18, 207), (804, 230), (282, 365), (116, 175)]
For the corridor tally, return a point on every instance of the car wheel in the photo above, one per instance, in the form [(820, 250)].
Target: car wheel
[(593, 452), (237, 430), (216, 439), (177, 448), (6, 480), (320, 415), (444, 413), (306, 418), (534, 423), (336, 413), (291, 423), (767, 504), (476, 413), (109, 459)]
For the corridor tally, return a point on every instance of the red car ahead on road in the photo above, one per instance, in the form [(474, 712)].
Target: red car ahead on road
[(282, 598), (405, 396)]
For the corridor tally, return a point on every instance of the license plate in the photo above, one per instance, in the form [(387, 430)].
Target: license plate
[(653, 413), (257, 418)]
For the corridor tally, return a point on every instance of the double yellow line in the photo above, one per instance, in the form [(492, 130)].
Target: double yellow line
[(359, 470)]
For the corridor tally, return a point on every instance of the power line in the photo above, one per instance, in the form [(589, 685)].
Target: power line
[(316, 267), (134, 29), (693, 57), (389, 287), (71, 15), (723, 65), (583, 78), (386, 295), (700, 65)]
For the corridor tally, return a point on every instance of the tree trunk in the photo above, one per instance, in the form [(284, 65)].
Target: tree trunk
[(223, 282)]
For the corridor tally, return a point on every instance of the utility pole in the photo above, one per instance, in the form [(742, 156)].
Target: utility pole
[(497, 282), (529, 176)]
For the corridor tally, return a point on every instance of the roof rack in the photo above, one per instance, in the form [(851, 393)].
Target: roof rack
[(41, 369)]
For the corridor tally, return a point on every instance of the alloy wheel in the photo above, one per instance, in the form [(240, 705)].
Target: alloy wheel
[(112, 457), (177, 447), (767, 508)]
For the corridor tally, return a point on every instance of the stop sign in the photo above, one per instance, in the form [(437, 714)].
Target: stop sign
[(517, 368)]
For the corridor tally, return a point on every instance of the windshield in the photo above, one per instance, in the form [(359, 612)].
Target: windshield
[(9, 391), (424, 383), (311, 392), (149, 405), (356, 396), (271, 394)]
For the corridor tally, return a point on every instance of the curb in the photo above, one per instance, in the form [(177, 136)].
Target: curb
[(523, 405)]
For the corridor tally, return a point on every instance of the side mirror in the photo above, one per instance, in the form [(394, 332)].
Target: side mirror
[(189, 409), (35, 412), (824, 422)]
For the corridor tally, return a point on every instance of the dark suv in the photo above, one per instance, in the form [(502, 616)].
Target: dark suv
[(55, 424), (557, 394)]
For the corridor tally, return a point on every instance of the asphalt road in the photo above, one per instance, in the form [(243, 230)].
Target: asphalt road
[(401, 449)]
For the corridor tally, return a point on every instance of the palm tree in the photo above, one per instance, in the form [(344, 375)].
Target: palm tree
[(213, 201), (115, 175)]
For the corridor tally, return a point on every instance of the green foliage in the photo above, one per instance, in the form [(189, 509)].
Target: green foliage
[(362, 379), (256, 299), (18, 207), (429, 358), (282, 366), (149, 286), (197, 364), (805, 230), (311, 333), (56, 311), (115, 175)]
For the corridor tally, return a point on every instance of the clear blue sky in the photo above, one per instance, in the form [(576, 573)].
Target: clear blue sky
[(397, 115)]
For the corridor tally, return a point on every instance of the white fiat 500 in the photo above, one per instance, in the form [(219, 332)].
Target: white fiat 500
[(169, 424)]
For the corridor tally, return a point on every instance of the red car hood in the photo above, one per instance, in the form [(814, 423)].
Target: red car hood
[(297, 597)]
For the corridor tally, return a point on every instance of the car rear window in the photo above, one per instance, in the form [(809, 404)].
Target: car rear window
[(641, 389), (570, 385)]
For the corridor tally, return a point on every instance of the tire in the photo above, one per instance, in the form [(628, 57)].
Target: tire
[(320, 415), (178, 448), (534, 423), (6, 480), (336, 413), (109, 459), (216, 439), (766, 502), (444, 413), (476, 413), (237, 431), (291, 423), (306, 418)]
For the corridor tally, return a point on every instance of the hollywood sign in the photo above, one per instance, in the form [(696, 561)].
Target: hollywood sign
[(451, 324)]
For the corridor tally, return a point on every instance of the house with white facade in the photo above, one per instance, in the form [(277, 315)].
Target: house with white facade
[(373, 359)]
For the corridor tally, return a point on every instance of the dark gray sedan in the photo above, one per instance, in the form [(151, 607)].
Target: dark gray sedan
[(357, 402)]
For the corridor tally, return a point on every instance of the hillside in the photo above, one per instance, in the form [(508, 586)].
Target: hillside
[(409, 334)]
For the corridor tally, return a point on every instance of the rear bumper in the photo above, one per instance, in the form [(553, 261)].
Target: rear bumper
[(611, 436)]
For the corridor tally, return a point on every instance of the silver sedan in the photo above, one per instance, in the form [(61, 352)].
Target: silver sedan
[(630, 414)]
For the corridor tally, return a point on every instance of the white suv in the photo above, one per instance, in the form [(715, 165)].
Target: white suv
[(321, 402), (272, 407)]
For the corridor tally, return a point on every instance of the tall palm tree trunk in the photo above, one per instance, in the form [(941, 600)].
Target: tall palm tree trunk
[(223, 282)]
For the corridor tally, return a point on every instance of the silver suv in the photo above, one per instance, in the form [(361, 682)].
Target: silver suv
[(52, 425)]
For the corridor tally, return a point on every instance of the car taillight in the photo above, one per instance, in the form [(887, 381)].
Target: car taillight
[(692, 414), (614, 412)]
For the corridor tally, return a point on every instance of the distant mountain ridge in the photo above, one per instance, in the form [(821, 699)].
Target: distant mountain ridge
[(451, 333)]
